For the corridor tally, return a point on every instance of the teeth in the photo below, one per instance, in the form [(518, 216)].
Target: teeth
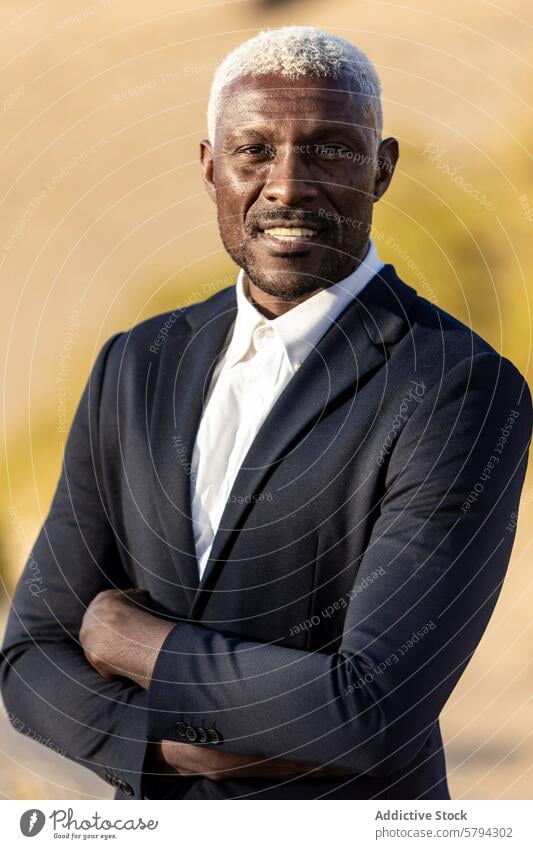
[(290, 232)]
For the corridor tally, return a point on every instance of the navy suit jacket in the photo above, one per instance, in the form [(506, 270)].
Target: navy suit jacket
[(358, 560)]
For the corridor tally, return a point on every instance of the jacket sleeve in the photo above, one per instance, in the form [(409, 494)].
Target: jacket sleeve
[(440, 547), (48, 687)]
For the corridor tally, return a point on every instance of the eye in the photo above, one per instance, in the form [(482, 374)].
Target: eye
[(332, 151), (257, 150)]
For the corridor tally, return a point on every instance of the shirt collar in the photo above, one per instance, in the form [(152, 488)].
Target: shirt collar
[(301, 327)]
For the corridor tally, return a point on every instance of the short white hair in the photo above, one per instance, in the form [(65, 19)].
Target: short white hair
[(294, 52)]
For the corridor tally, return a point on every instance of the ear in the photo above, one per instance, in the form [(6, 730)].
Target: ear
[(207, 161), (387, 157)]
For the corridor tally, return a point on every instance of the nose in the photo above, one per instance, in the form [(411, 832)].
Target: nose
[(289, 180)]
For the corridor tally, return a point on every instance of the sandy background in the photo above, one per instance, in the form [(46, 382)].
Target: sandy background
[(105, 221)]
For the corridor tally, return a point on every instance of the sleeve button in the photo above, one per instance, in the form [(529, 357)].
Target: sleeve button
[(126, 788), (213, 736), (191, 734)]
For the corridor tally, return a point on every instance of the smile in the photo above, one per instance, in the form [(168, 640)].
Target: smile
[(290, 234)]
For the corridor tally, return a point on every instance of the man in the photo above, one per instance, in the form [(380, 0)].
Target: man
[(280, 529)]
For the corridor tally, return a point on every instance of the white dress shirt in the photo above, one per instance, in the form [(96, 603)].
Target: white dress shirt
[(261, 357)]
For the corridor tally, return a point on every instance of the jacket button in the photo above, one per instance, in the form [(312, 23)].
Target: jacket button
[(181, 729), (126, 788), (213, 736), (191, 734)]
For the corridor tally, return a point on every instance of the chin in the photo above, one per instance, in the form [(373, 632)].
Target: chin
[(285, 284), (292, 282)]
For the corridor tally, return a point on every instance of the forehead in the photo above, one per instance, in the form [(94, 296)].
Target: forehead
[(274, 101)]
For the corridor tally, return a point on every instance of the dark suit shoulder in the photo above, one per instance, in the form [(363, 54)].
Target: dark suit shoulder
[(143, 342), (437, 344), (434, 326), (181, 318), (158, 327)]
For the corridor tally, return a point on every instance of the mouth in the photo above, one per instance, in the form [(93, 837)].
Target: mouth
[(290, 233), (289, 238)]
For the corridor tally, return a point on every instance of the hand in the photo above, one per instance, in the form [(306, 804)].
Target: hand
[(119, 637), (187, 759)]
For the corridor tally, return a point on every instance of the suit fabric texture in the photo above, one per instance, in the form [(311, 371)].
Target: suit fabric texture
[(358, 559)]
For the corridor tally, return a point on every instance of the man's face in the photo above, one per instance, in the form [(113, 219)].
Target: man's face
[(295, 173)]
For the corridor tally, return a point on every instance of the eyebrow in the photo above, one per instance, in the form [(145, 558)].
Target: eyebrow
[(318, 133)]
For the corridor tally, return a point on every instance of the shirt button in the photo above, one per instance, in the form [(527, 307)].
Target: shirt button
[(261, 334)]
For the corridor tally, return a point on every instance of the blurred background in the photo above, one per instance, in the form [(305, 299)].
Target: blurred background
[(105, 222)]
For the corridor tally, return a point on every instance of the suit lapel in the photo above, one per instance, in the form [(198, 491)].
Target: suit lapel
[(183, 371), (350, 351)]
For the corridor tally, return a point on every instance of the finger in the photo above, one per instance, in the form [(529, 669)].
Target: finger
[(136, 593)]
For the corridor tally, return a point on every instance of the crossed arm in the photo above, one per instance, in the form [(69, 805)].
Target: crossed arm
[(120, 637), (281, 709)]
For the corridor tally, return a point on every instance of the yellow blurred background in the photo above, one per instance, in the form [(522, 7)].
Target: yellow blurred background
[(105, 222)]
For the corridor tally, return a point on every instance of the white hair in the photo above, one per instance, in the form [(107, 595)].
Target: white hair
[(294, 52)]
